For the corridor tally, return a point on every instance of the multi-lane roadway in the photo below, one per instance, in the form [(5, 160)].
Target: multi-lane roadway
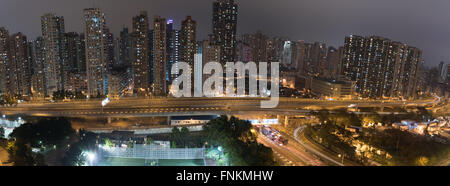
[(136, 107)]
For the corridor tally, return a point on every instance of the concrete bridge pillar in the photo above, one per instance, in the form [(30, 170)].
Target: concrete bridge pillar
[(286, 121), (168, 120), (283, 120)]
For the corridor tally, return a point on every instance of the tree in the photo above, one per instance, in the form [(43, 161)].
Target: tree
[(175, 136), (184, 134), (79, 95), (149, 141), (424, 113), (8, 100), (108, 143), (322, 115), (49, 131), (407, 148), (58, 95), (46, 132), (238, 142), (373, 118), (87, 142), (73, 156), (2, 132), (180, 137), (354, 120), (20, 154)]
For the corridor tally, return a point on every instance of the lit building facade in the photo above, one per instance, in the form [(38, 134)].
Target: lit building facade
[(38, 75), (381, 68), (188, 40), (224, 28), (140, 54), (19, 66), (4, 58), (159, 56), (173, 49), (96, 67), (52, 33)]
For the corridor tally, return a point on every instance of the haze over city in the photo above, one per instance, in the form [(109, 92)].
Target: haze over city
[(416, 22), (225, 83)]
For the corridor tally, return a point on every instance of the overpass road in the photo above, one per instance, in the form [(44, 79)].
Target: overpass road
[(137, 107)]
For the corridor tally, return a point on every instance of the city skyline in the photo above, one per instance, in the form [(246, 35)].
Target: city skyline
[(235, 83), (316, 28), (154, 51)]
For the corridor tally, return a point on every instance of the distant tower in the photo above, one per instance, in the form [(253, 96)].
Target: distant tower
[(159, 56), (125, 48), (52, 33), (224, 28), (19, 65), (95, 52), (381, 67), (188, 40), (38, 76), (140, 54), (109, 49), (4, 58), (173, 48)]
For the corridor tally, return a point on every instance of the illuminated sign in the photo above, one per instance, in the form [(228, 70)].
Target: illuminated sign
[(264, 122)]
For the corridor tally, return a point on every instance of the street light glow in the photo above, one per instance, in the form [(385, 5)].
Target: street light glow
[(90, 156), (105, 101)]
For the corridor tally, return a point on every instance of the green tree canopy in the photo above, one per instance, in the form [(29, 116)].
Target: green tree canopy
[(238, 142)]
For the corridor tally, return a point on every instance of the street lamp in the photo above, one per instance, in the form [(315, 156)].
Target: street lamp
[(104, 102), (342, 161), (90, 157)]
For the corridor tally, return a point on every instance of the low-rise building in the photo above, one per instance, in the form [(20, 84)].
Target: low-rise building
[(190, 120), (332, 89)]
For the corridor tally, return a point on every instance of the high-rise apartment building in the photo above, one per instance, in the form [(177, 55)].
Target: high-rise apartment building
[(19, 65), (210, 53), (334, 63), (95, 51), (353, 56), (109, 49), (74, 46), (224, 28), (52, 33), (381, 68), (244, 52), (159, 56), (125, 48), (173, 49), (396, 57), (38, 76), (4, 58), (73, 55), (410, 72), (140, 54), (258, 43), (318, 57), (188, 40)]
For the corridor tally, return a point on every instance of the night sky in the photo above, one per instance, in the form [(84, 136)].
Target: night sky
[(421, 23)]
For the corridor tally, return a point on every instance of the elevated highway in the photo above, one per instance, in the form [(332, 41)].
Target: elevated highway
[(138, 107)]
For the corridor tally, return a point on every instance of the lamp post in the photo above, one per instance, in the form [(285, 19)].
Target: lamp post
[(342, 160), (104, 102)]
